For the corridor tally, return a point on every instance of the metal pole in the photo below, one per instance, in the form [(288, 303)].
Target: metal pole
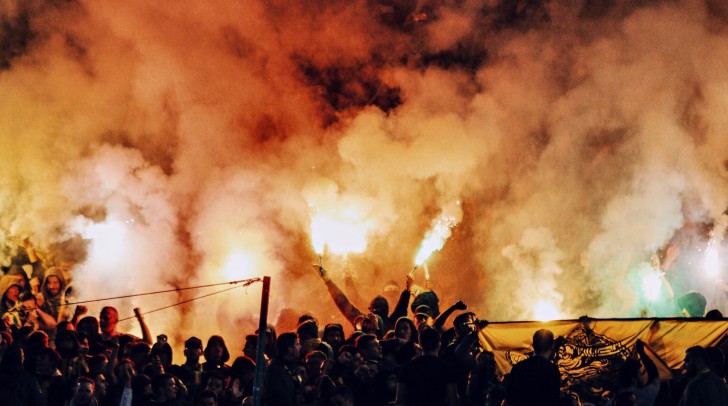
[(260, 350)]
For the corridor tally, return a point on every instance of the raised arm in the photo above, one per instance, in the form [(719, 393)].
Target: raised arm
[(442, 318), (146, 336), (342, 302)]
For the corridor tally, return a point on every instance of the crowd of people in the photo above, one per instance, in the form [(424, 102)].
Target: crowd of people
[(406, 355)]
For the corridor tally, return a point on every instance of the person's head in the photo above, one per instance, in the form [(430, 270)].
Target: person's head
[(334, 335), (543, 343), (405, 329), (369, 346), (464, 323), (193, 349), (288, 347), (67, 344), (695, 360), (216, 351), (108, 319), (47, 361), (54, 282), (88, 327), (11, 295), (692, 304), (250, 347), (314, 360), (164, 387), (422, 320), (307, 316), (27, 303), (206, 397), (65, 325), (10, 288), (216, 382), (307, 330), (714, 314), (141, 386), (429, 299), (369, 324), (84, 391), (139, 353), (342, 396), (37, 339), (430, 340), (243, 369), (349, 355), (163, 350), (379, 306)]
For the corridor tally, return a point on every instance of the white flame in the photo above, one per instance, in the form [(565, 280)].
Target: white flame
[(108, 239), (340, 236), (435, 238), (651, 285), (545, 310), (239, 265)]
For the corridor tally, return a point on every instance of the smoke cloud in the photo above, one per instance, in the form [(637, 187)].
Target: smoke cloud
[(150, 146)]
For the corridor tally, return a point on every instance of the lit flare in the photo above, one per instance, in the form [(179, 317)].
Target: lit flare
[(337, 235), (435, 238)]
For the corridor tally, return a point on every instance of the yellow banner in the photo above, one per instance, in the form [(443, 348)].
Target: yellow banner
[(592, 347)]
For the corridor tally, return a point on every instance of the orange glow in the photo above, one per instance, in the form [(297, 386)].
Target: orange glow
[(340, 235), (239, 265), (545, 310)]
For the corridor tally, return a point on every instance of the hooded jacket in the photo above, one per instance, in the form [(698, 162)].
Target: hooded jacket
[(5, 283), (52, 303)]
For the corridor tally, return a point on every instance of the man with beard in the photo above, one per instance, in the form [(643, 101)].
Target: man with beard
[(53, 291)]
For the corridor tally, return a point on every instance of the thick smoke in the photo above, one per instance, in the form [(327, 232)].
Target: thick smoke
[(149, 146)]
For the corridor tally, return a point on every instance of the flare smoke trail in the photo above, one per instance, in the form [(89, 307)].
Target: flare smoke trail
[(204, 131)]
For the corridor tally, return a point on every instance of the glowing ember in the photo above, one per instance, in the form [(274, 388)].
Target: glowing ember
[(339, 236), (239, 265), (546, 311), (651, 285), (435, 238)]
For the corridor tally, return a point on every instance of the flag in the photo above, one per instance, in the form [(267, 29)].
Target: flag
[(589, 352)]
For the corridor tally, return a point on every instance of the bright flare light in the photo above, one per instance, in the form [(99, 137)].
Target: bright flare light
[(238, 266), (546, 311), (435, 238), (712, 261), (107, 239), (651, 285), (340, 236)]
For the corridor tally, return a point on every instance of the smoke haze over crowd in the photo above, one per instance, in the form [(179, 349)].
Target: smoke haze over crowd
[(167, 144)]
